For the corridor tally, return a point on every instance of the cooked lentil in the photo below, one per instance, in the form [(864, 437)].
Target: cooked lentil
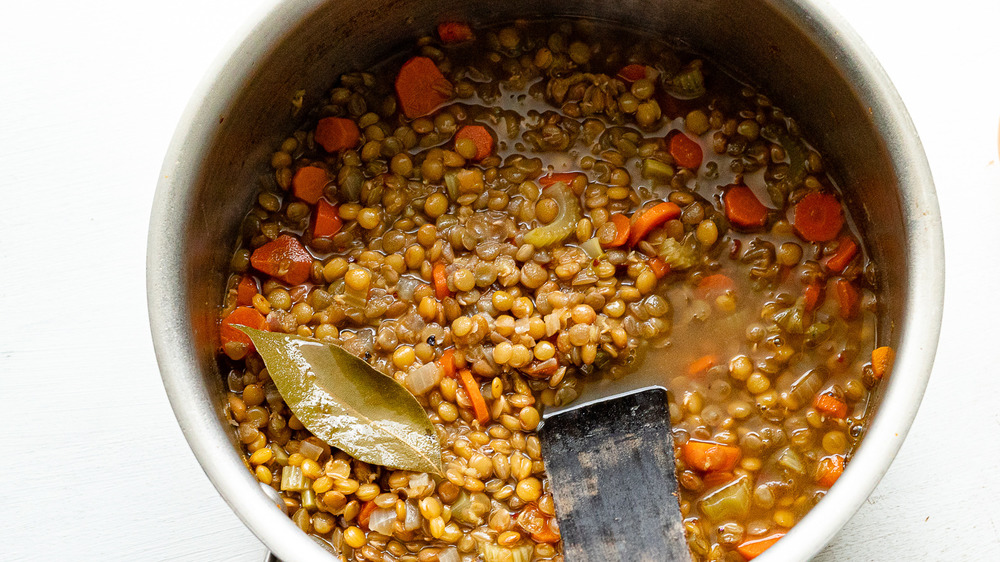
[(752, 317)]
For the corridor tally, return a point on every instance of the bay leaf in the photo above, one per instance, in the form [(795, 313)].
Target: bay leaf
[(348, 404)]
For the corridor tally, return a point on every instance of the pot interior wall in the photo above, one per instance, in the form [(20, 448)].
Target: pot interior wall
[(758, 37)]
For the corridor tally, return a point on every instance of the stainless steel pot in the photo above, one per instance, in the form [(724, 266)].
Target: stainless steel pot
[(802, 54)]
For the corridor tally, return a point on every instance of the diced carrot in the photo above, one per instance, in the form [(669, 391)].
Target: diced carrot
[(241, 316), (421, 87), (326, 220), (818, 217), (475, 396), (632, 72), (712, 286), (829, 470), (702, 364), (882, 358), (849, 298), (364, 516), (743, 209), (536, 523), (283, 258), (565, 177), (660, 268), (245, 290), (622, 228), (447, 362), (686, 152), (755, 547), (452, 32), (847, 248), (480, 136), (713, 479), (336, 133), (308, 183), (831, 406), (814, 295), (652, 218), (440, 277), (708, 456)]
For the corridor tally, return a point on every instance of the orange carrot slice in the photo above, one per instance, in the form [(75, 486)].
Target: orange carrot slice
[(475, 396), (818, 217), (847, 248), (245, 291), (652, 218), (814, 295), (452, 32), (622, 228), (631, 73), (686, 152), (421, 87), (831, 406), (708, 456), (882, 358), (712, 286), (478, 135), (536, 523), (336, 133), (308, 183), (743, 209), (447, 362), (660, 268), (241, 316), (283, 258), (565, 177), (326, 221), (440, 277), (829, 469), (755, 547), (364, 516), (849, 298), (702, 364), (713, 479)]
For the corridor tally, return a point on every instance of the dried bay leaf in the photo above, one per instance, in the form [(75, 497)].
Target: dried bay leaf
[(347, 403)]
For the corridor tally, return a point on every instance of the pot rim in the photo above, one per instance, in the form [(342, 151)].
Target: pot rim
[(200, 423)]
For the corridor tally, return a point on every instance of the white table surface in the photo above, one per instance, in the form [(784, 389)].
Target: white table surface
[(94, 465)]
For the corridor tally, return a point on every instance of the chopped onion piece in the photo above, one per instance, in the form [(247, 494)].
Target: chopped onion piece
[(449, 554), (586, 276), (413, 519), (406, 286), (382, 520), (553, 323), (423, 378), (593, 248), (310, 450), (729, 502), (420, 485), (791, 460)]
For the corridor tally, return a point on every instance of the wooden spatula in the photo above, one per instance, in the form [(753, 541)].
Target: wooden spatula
[(610, 461)]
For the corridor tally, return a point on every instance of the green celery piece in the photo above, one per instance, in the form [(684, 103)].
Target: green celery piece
[(731, 501), (564, 223)]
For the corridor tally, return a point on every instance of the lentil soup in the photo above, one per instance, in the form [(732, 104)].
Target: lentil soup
[(500, 216)]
